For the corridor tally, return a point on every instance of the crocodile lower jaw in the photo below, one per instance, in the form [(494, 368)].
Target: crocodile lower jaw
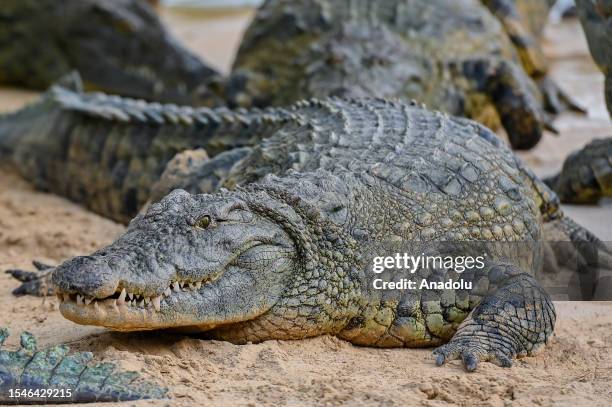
[(128, 311), (109, 314)]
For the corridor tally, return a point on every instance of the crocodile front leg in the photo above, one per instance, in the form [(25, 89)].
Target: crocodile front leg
[(514, 320), (515, 96), (527, 44), (37, 283)]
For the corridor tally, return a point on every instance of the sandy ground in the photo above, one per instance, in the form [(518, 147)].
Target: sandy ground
[(575, 370)]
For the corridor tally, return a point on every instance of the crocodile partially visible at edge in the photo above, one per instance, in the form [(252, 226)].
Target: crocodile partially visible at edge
[(117, 46), (56, 375)]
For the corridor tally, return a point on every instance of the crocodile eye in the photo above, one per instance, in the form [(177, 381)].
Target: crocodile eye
[(203, 222)]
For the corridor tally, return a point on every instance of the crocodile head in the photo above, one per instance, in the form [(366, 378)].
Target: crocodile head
[(194, 262)]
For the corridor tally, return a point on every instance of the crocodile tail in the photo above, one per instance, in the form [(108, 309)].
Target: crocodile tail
[(12, 124), (569, 246), (5, 144), (8, 135)]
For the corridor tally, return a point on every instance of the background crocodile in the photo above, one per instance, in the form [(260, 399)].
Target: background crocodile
[(106, 152), (596, 18), (454, 56), (57, 368), (586, 176), (117, 46), (460, 61)]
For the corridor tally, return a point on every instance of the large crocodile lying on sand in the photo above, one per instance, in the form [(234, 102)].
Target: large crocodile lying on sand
[(117, 46), (56, 375), (455, 56), (348, 173), (288, 256)]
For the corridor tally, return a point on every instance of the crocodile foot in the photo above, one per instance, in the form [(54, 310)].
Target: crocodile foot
[(515, 321), (556, 100), (37, 283), (473, 350)]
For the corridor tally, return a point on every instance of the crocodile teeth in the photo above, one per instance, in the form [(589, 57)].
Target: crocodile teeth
[(96, 306), (121, 298), (141, 303), (192, 286), (198, 285), (176, 288), (146, 300), (168, 292), (88, 300), (157, 303), (79, 299), (130, 296)]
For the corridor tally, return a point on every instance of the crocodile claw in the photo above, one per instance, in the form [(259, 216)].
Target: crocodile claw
[(556, 100), (472, 352)]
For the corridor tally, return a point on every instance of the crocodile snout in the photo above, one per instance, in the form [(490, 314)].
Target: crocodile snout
[(86, 275)]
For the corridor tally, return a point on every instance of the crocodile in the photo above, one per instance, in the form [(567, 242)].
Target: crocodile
[(57, 375), (277, 244), (596, 18), (117, 46), (466, 58), (586, 176)]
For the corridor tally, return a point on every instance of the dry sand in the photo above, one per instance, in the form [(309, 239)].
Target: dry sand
[(574, 370)]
